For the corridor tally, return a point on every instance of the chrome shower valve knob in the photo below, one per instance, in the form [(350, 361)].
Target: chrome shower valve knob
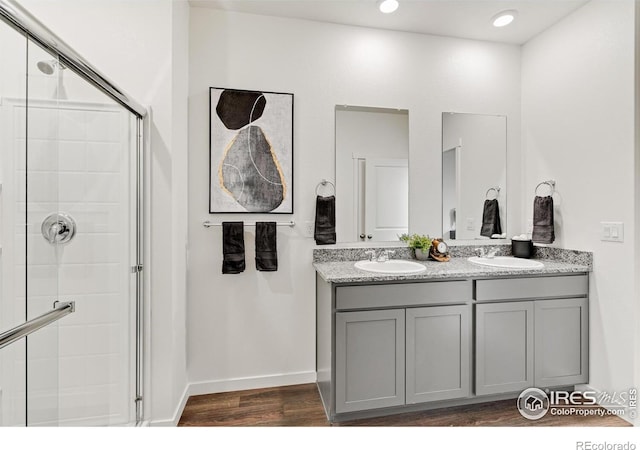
[(58, 228)]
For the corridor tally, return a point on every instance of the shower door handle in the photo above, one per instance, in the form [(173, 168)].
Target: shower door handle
[(60, 309)]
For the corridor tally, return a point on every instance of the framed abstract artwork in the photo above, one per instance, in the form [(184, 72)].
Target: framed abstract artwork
[(250, 151)]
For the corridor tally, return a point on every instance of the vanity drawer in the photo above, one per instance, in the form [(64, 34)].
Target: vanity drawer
[(532, 288), (410, 294)]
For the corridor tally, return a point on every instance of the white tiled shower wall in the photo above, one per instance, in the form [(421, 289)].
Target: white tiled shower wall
[(80, 370)]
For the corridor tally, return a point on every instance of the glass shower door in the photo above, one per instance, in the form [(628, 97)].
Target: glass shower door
[(81, 247), (70, 163)]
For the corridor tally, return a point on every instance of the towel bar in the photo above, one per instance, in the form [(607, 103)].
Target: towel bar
[(208, 224)]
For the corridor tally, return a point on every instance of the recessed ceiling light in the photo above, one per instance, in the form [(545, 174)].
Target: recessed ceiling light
[(388, 6), (504, 18)]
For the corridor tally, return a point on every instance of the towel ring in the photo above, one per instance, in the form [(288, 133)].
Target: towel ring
[(495, 189), (323, 183), (550, 183)]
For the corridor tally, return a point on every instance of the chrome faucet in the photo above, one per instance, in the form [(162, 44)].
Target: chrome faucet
[(492, 253), (383, 256), (479, 252), (371, 254)]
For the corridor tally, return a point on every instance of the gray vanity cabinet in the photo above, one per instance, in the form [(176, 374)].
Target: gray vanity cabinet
[(504, 347), (533, 333), (369, 359), (388, 347), (561, 342), (438, 353)]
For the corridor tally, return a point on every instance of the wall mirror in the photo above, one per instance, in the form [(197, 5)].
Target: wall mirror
[(372, 173), (474, 176)]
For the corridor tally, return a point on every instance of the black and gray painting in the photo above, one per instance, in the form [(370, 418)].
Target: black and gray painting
[(249, 171)]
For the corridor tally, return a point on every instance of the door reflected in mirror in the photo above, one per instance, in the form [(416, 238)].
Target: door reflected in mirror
[(474, 176), (372, 173)]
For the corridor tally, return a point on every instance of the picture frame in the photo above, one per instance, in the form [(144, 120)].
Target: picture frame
[(250, 151)]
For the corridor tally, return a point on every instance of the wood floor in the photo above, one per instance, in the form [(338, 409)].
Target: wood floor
[(300, 406)]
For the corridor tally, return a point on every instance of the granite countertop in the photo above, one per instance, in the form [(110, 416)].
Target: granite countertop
[(455, 268)]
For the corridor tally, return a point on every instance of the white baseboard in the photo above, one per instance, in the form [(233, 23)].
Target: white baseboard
[(173, 421), (242, 384), (235, 384)]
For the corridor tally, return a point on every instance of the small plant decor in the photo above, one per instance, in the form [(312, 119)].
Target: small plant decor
[(419, 243)]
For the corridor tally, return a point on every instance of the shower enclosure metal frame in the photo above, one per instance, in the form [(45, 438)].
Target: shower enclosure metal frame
[(24, 22)]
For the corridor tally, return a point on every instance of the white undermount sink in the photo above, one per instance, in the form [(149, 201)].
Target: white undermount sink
[(508, 262), (396, 266)]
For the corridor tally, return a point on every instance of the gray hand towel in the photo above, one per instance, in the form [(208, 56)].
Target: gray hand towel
[(543, 228), (491, 218), (233, 247), (266, 248), (325, 226)]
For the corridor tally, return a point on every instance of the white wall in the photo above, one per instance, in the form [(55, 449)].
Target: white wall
[(578, 129), (258, 328), (142, 47)]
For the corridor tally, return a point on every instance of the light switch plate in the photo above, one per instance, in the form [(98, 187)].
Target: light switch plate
[(612, 231)]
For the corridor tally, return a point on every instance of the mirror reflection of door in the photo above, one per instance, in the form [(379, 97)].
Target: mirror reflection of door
[(372, 189), (386, 199)]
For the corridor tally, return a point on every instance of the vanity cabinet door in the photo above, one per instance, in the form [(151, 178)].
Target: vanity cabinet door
[(561, 342), (438, 345), (370, 359), (504, 347)]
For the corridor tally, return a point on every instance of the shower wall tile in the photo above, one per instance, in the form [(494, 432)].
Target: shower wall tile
[(96, 218), (92, 248), (72, 186), (73, 371), (104, 126), (43, 373), (19, 123), (95, 309), (73, 341), (71, 404), (72, 125), (43, 283), (72, 156), (102, 369), (42, 187), (45, 345), (41, 155), (104, 338), (78, 279), (43, 408), (104, 188), (42, 123), (104, 157)]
